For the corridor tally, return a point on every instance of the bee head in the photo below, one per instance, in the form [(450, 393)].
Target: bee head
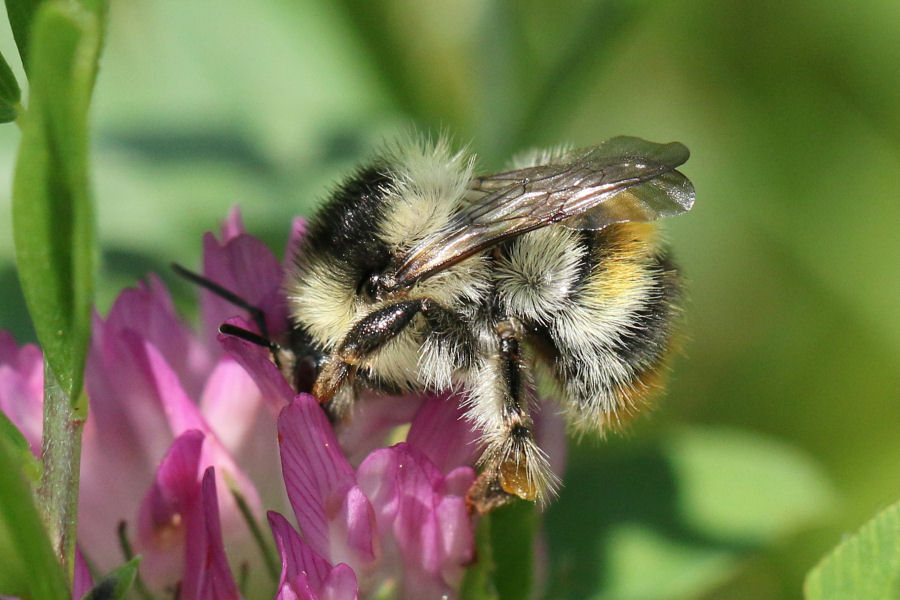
[(344, 268)]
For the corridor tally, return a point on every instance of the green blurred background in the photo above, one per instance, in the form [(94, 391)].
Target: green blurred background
[(779, 432)]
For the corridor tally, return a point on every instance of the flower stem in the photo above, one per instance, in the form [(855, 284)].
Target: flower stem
[(269, 557), (61, 457)]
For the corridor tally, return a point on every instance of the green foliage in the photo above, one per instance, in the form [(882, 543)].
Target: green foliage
[(865, 565), (743, 488), (10, 94), (643, 563), (29, 568), (21, 14), (505, 554), (17, 445), (674, 518), (53, 220), (513, 528), (115, 585), (478, 583)]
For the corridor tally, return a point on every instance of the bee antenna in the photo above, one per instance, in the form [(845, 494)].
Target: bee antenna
[(256, 313)]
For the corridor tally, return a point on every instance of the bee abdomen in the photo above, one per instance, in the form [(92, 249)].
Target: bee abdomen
[(612, 342)]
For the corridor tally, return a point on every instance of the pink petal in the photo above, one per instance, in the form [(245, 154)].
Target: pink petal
[(432, 531), (297, 589), (125, 409), (162, 514), (22, 405), (138, 405), (458, 481), (388, 475), (304, 574), (296, 555), (455, 534), (316, 474), (30, 364), (375, 416), (27, 360), (257, 361), (353, 536), (230, 403), (183, 415), (233, 225), (341, 584), (22, 388), (246, 267), (149, 311), (233, 407), (126, 434), (206, 574), (441, 432), (83, 582)]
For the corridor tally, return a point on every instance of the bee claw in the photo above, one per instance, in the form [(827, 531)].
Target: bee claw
[(487, 494)]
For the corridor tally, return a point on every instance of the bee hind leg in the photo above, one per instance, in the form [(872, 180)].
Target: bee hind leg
[(514, 465)]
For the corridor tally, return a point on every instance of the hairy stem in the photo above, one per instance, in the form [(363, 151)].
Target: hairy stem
[(61, 457)]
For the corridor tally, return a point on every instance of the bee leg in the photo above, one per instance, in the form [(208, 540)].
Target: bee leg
[(514, 465), (367, 336)]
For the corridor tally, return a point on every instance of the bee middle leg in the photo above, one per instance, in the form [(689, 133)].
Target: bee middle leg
[(514, 465)]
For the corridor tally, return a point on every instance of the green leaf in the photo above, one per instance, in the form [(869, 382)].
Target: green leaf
[(18, 447), (866, 565), (21, 14), (673, 517), (746, 488), (29, 568), (10, 94), (512, 531), (115, 585), (645, 564), (53, 222), (7, 113)]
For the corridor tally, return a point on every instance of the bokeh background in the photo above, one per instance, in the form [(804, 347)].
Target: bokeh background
[(780, 431)]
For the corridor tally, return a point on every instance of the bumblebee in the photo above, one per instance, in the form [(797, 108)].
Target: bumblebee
[(419, 275)]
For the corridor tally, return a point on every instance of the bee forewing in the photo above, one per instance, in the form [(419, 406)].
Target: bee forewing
[(669, 195), (589, 185)]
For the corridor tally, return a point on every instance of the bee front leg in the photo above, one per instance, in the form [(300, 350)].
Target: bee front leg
[(367, 336), (514, 465)]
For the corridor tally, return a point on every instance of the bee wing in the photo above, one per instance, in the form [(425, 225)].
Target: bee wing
[(623, 179)]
